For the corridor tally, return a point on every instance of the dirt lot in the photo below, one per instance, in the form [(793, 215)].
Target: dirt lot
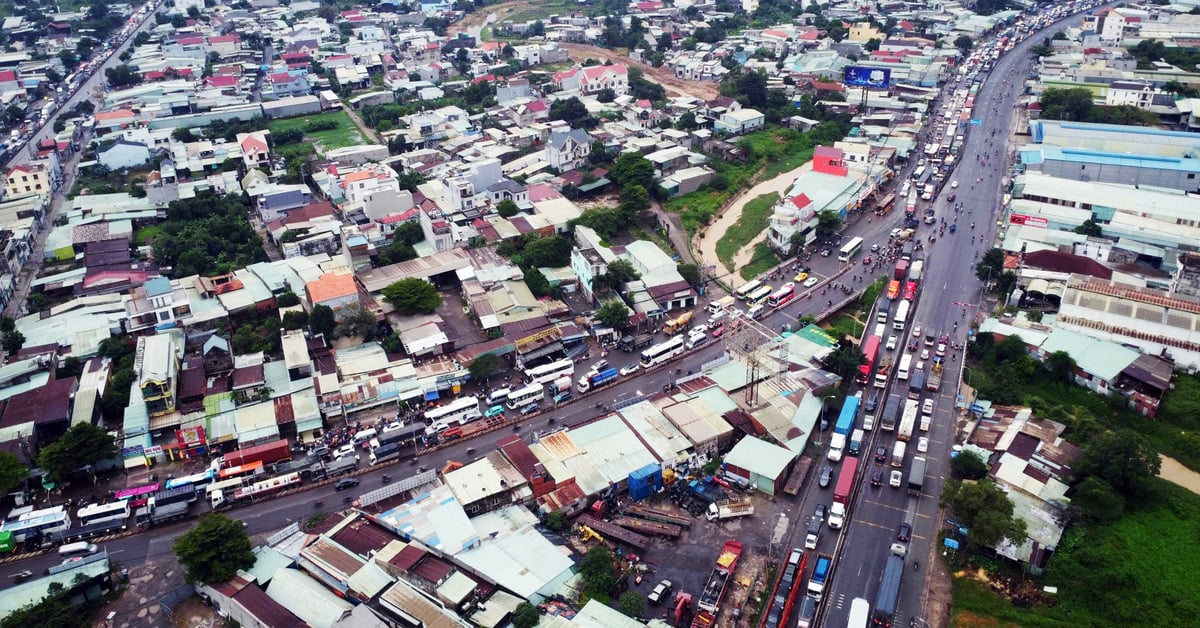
[(674, 86)]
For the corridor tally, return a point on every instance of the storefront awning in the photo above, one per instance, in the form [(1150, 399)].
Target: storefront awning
[(432, 395)]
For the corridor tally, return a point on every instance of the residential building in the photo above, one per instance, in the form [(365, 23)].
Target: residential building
[(594, 79), (568, 149), (157, 304), (157, 367), (26, 179), (339, 292), (740, 122), (283, 84), (256, 150)]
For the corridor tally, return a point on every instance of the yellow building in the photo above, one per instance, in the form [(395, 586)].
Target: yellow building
[(863, 32), (27, 179)]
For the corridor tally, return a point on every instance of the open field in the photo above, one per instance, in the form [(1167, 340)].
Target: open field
[(749, 225), (346, 134)]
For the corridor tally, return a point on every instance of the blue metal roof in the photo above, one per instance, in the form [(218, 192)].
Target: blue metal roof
[(1084, 155)]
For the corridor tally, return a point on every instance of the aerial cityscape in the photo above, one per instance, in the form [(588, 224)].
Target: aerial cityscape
[(599, 314)]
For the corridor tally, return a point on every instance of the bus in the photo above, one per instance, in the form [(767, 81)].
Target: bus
[(547, 373), (197, 480), (852, 248), (747, 288), (758, 296), (103, 513), (860, 613), (893, 290), (918, 173), (521, 397), (141, 492), (37, 523), (225, 485), (251, 469), (662, 352), (845, 422), (458, 412), (886, 204), (782, 296)]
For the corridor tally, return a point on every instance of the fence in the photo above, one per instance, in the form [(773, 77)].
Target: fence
[(173, 598), (397, 487)]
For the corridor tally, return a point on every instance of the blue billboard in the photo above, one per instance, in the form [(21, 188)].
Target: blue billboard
[(858, 76)]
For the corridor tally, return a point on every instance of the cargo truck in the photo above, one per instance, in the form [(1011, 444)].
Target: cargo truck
[(705, 492), (814, 531), (916, 384), (730, 509), (881, 376), (383, 453), (561, 385), (341, 466), (677, 325), (185, 494), (898, 453), (629, 344), (153, 516), (891, 410), (909, 420), (915, 270), (592, 381), (722, 304), (889, 591), (841, 493), (266, 453), (856, 440), (916, 475), (718, 581), (901, 270), (837, 444), (820, 574)]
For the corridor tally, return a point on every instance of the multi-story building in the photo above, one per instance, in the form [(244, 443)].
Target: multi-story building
[(157, 367)]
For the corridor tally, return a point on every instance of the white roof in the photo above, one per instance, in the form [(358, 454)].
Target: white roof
[(760, 457), (518, 556), (307, 599)]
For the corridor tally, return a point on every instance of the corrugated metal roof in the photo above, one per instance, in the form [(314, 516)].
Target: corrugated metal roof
[(760, 457), (332, 558), (435, 518), (518, 556), (368, 581), (305, 597), (402, 598), (663, 439), (613, 448)]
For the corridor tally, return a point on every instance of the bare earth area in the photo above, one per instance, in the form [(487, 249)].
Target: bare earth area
[(1174, 472), (663, 76)]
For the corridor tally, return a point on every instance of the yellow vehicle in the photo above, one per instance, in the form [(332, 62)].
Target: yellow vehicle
[(801, 277), (677, 325)]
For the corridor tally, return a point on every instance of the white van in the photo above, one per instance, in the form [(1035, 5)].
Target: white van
[(363, 436), (756, 311), (695, 341), (498, 396), (721, 305), (81, 548)]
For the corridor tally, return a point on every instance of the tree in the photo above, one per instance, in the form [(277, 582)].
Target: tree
[(687, 122), (606, 95), (964, 43), (844, 360), (1173, 86), (827, 223), (12, 472), (322, 321), (1123, 459), (537, 283), (573, 112), (1062, 365), (613, 314), (1093, 499), (357, 323), (13, 115), (525, 616), (12, 341), (632, 603), (598, 154), (122, 76), (215, 550), (547, 252), (395, 252), (413, 295), (537, 29), (622, 271), (991, 266), (634, 200), (632, 169), (597, 571), (296, 319), (1089, 228), (967, 465), (690, 274), (82, 445), (507, 208), (986, 510), (55, 610), (872, 44), (1067, 104), (485, 366)]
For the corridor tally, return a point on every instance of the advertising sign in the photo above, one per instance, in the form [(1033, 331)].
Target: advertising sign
[(1028, 221), (873, 78)]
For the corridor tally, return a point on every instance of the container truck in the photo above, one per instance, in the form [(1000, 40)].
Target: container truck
[(730, 509), (186, 494), (718, 581), (820, 574), (916, 269), (561, 385), (916, 384), (266, 453), (909, 420), (841, 493), (383, 453), (889, 591), (856, 440), (901, 270), (676, 325), (721, 304), (592, 381), (160, 515), (891, 410), (916, 475), (629, 344)]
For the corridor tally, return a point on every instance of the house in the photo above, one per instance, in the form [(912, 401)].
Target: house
[(594, 79), (157, 369), (256, 151), (568, 149), (26, 179), (123, 154), (158, 304), (282, 84), (740, 122), (335, 291), (1131, 93)]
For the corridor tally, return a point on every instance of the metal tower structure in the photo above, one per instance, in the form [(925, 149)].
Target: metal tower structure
[(760, 347)]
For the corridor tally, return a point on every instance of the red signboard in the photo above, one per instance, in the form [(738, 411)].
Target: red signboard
[(1028, 221)]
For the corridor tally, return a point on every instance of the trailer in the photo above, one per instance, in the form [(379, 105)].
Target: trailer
[(916, 384), (909, 420), (84, 533), (341, 466), (614, 532), (654, 514), (648, 527), (469, 430), (161, 515), (718, 581)]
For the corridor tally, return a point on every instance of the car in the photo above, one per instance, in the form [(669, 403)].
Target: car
[(895, 232), (922, 444), (867, 261), (954, 184), (881, 453), (496, 410), (953, 227), (826, 476), (346, 483), (599, 366), (927, 407), (346, 450), (530, 409), (919, 366), (903, 532), (718, 331), (320, 452), (661, 591), (941, 349), (800, 277), (924, 354), (875, 248), (698, 330), (891, 343), (810, 282), (631, 369), (826, 252), (22, 576), (877, 477), (951, 198), (929, 220), (872, 402), (896, 478), (912, 346)]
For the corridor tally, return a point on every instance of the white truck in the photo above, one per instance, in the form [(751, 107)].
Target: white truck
[(730, 509), (837, 444), (909, 420)]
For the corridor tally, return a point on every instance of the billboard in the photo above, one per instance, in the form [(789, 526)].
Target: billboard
[(1028, 221), (873, 78)]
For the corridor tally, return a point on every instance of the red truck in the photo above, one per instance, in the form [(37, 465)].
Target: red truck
[(717, 584), (267, 453), (901, 269)]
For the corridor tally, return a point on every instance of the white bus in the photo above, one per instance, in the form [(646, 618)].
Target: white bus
[(662, 352), (547, 373), (901, 316), (38, 522), (103, 513), (905, 364), (197, 480), (782, 296), (524, 396), (918, 173), (860, 613), (747, 288), (458, 412), (758, 296), (851, 249)]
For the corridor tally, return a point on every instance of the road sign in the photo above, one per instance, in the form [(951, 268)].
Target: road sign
[(976, 122)]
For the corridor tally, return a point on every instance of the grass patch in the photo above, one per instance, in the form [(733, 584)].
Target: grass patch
[(793, 157), (764, 259), (145, 235), (346, 134), (542, 10), (750, 225), (977, 605)]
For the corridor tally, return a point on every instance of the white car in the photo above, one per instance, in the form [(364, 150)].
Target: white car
[(345, 451), (895, 232), (874, 248), (698, 330), (927, 407), (895, 479), (924, 354), (891, 343), (954, 184), (810, 282), (916, 331), (922, 444), (629, 370)]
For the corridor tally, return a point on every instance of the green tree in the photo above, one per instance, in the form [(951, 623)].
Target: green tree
[(413, 296), (613, 314), (71, 367), (1123, 459), (395, 252), (967, 465), (573, 112), (547, 252), (827, 223), (690, 274), (215, 550), (485, 366), (687, 122), (1067, 104), (606, 95), (1094, 500), (525, 616), (537, 283), (287, 299), (12, 472), (964, 43), (507, 208), (632, 169), (598, 571), (872, 44), (55, 610), (991, 266), (1089, 227), (621, 270), (12, 341), (13, 116), (322, 321), (122, 76), (844, 360), (1062, 366), (1173, 86), (82, 445), (634, 200), (357, 323), (557, 521), (598, 153), (632, 603), (296, 319), (986, 510)]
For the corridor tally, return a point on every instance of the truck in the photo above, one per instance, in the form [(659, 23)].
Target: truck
[(186, 494), (889, 591), (909, 420), (676, 325), (706, 492), (841, 493), (592, 381), (629, 344), (898, 453), (275, 451), (935, 376), (722, 304), (891, 410), (561, 385), (820, 574), (153, 516), (341, 466), (256, 491), (814, 531), (916, 270), (916, 384), (718, 581), (884, 311), (901, 318), (730, 509), (856, 440), (837, 445), (383, 453), (901, 269), (916, 475), (881, 375)]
